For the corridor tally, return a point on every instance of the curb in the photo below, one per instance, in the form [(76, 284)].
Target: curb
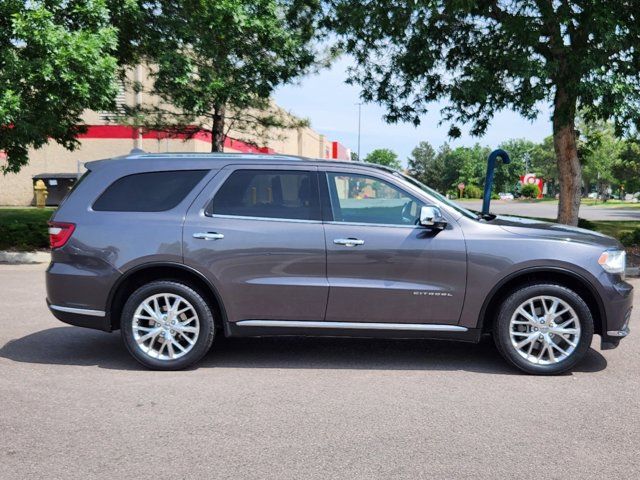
[(17, 258)]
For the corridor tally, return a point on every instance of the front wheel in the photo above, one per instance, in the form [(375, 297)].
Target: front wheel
[(543, 329), (167, 325)]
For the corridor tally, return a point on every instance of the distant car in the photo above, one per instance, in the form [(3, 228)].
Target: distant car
[(593, 195), (506, 196), (178, 249)]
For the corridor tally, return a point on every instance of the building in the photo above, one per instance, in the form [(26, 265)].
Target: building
[(105, 139)]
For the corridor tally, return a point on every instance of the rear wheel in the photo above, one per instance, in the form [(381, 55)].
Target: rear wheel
[(167, 325), (544, 329)]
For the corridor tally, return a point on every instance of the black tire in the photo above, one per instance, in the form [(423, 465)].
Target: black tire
[(205, 317), (502, 336)]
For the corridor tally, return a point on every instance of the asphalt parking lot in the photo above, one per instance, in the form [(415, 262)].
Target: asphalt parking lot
[(74, 405)]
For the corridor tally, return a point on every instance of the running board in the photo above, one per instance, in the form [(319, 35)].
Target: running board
[(270, 328)]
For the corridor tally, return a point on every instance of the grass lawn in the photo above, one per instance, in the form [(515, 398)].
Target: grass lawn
[(590, 202), (614, 228), (24, 229)]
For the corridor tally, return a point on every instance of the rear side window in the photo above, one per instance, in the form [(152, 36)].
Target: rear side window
[(148, 192), (269, 194)]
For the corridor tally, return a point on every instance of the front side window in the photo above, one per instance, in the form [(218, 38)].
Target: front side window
[(363, 199), (148, 192), (279, 194)]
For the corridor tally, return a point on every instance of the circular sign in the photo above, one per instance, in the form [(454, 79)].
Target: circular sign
[(461, 186)]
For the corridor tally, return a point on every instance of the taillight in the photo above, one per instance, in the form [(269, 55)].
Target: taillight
[(60, 233)]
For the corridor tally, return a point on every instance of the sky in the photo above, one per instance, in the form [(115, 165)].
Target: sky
[(331, 106)]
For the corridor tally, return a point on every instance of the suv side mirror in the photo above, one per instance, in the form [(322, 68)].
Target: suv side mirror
[(431, 216)]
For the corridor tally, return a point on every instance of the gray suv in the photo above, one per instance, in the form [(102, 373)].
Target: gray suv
[(175, 249)]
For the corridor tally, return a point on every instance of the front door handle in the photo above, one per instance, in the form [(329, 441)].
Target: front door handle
[(208, 236), (348, 242)]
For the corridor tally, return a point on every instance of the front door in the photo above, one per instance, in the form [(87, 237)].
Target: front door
[(256, 233), (381, 266)]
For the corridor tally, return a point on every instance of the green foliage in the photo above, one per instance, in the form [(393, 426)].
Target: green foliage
[(472, 191), (609, 161), (422, 163), (24, 229), (216, 62), (484, 56), (56, 60), (622, 230), (600, 150), (587, 224), (626, 169), (630, 239), (530, 190), (384, 156)]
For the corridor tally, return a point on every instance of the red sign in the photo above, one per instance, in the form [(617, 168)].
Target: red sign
[(461, 186)]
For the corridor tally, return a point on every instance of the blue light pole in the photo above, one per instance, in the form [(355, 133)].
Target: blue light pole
[(488, 183)]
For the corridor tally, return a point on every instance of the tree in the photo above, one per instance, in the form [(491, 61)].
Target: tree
[(437, 170), (483, 56), (216, 62), (421, 162), (384, 156), (600, 151), (627, 169), (56, 60)]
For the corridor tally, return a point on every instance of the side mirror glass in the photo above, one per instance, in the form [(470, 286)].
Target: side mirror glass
[(431, 216)]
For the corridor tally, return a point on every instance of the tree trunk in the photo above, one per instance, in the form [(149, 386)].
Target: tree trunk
[(569, 169), (217, 131)]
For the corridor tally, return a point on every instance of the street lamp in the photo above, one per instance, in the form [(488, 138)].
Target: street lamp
[(359, 123)]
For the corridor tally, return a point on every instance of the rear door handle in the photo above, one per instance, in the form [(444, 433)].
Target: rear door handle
[(348, 242), (208, 235)]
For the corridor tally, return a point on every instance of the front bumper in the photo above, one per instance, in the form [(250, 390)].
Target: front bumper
[(619, 304)]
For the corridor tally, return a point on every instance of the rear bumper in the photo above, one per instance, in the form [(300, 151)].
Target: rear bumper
[(81, 317)]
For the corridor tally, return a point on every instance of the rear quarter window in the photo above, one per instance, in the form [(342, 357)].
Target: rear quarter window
[(148, 192)]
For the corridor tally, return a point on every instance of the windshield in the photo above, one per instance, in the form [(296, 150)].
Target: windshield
[(438, 196)]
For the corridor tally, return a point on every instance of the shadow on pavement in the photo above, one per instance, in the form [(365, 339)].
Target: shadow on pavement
[(82, 347)]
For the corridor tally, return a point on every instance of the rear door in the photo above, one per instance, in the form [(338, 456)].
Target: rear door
[(256, 233), (381, 266)]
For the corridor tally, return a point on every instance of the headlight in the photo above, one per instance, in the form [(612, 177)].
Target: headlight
[(613, 261)]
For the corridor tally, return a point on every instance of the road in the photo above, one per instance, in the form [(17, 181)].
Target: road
[(550, 210), (75, 406)]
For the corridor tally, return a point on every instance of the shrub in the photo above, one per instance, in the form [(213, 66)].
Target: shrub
[(630, 239), (24, 228), (530, 190), (473, 191), (584, 223)]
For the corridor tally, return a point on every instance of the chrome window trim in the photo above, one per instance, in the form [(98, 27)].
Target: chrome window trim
[(352, 325), (266, 219), (79, 311), (363, 224)]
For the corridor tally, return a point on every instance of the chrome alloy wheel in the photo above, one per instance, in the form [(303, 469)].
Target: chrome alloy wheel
[(544, 330), (165, 326)]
